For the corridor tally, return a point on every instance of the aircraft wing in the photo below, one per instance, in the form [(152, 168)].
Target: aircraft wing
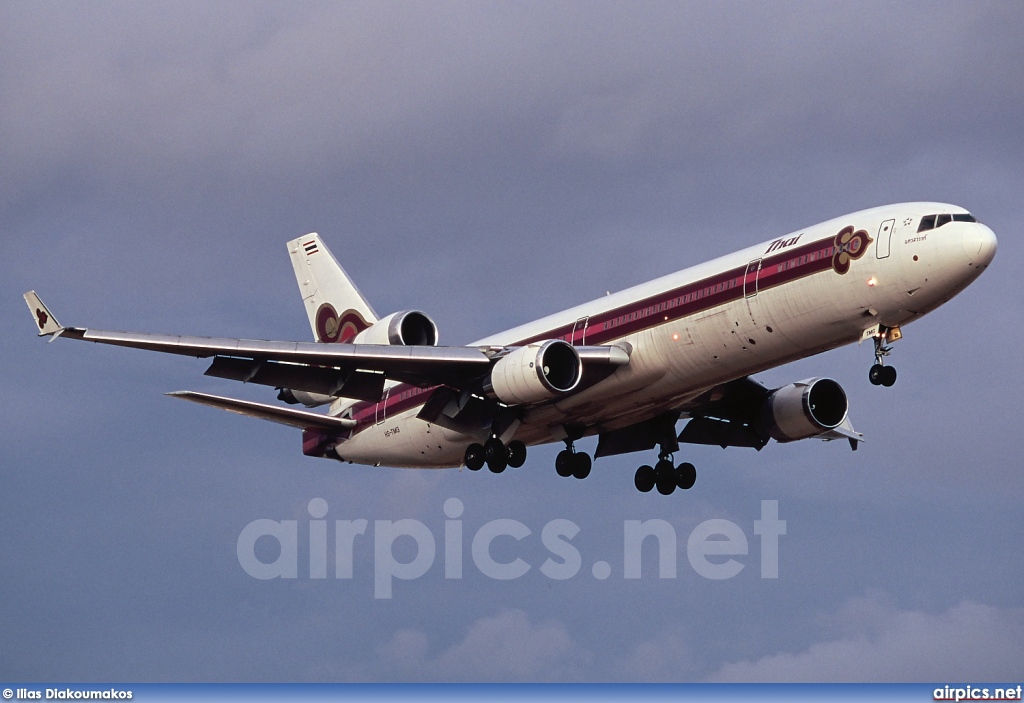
[(411, 364), (727, 415), (315, 366)]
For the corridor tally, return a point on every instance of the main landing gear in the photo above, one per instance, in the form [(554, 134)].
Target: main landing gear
[(569, 462), (881, 375), (496, 454), (665, 475)]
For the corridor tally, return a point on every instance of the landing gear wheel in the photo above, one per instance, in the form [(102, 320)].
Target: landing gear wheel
[(563, 463), (644, 479), (496, 455), (474, 459), (516, 453), (686, 476), (665, 477), (581, 465), (875, 374), (888, 376)]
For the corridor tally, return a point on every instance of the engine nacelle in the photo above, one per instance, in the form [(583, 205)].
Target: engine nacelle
[(310, 400), (536, 372), (805, 409), (406, 328)]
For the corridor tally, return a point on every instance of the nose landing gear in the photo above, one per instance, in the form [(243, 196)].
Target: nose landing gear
[(880, 374)]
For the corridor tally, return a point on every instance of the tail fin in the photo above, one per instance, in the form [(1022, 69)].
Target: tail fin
[(336, 309)]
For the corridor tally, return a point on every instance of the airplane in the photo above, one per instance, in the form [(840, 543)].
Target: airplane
[(626, 367)]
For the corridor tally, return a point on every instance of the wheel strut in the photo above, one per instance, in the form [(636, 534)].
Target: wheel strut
[(880, 374)]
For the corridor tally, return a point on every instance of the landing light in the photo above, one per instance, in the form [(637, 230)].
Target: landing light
[(675, 337), (872, 282)]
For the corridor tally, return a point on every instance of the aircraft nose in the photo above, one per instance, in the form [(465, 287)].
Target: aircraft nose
[(979, 244)]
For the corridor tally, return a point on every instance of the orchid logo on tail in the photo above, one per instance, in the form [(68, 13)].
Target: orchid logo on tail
[(331, 328)]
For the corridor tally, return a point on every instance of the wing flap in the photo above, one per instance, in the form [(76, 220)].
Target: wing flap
[(358, 385)]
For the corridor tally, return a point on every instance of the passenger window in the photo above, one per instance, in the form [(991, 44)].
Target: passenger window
[(927, 223), (943, 220)]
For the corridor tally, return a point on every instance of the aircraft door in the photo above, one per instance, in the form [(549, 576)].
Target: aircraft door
[(884, 239), (750, 278), (579, 332), (382, 407)]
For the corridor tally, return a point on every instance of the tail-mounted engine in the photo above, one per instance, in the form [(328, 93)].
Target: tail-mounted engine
[(535, 373), (406, 328), (804, 409)]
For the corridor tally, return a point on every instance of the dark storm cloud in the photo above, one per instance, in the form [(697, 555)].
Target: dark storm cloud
[(488, 163), (122, 93)]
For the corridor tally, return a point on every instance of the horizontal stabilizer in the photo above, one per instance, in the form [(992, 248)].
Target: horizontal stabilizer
[(303, 419)]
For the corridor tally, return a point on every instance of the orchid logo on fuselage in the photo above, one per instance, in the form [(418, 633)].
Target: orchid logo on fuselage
[(849, 246)]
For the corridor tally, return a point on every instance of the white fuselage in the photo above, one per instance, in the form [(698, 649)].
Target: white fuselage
[(809, 291)]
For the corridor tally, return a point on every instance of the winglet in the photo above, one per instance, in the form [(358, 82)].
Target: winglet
[(45, 321)]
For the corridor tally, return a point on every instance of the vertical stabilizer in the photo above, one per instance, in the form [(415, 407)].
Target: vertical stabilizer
[(336, 309)]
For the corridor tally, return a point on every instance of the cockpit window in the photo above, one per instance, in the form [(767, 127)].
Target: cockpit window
[(935, 221)]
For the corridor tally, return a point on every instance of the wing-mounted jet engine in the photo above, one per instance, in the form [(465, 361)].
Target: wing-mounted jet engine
[(535, 373), (809, 408)]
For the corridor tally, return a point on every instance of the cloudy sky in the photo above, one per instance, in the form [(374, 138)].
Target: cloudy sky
[(491, 163)]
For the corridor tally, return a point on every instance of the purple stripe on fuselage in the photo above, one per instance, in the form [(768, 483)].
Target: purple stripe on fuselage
[(782, 267)]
